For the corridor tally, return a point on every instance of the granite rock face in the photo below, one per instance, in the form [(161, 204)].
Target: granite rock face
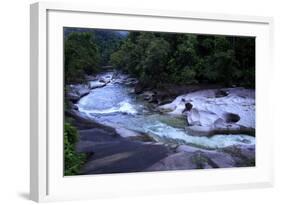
[(216, 111), (188, 157), (75, 92), (112, 153)]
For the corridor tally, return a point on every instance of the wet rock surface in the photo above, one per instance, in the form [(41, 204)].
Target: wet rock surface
[(188, 157), (112, 153), (75, 92), (216, 111), (115, 153), (96, 84), (155, 130)]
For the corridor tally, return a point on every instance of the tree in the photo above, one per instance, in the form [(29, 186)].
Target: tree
[(156, 58), (183, 62), (72, 160), (81, 56)]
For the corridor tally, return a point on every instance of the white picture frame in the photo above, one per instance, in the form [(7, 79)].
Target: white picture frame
[(47, 182)]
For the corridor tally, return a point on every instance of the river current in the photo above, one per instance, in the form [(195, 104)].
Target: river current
[(115, 104)]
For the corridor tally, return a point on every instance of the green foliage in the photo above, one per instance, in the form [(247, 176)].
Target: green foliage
[(157, 58), (184, 60), (106, 41), (81, 56), (127, 57), (72, 160)]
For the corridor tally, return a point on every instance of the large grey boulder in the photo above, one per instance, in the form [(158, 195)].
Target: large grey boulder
[(216, 111), (96, 84), (216, 159), (201, 117), (105, 79), (75, 92), (244, 155), (194, 160), (178, 161)]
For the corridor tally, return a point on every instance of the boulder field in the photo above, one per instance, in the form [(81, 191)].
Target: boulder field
[(115, 148)]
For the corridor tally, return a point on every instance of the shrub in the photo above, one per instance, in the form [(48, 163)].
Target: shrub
[(72, 160)]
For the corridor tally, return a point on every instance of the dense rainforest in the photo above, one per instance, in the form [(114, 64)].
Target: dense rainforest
[(156, 58), (87, 51)]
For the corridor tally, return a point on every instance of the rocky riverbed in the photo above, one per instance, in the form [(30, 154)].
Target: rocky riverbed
[(129, 129)]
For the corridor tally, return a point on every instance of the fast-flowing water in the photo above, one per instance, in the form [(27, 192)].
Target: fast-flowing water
[(117, 105)]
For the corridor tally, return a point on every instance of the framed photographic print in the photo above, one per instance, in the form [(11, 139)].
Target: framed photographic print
[(129, 101)]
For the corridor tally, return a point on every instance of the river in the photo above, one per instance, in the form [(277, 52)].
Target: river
[(115, 104)]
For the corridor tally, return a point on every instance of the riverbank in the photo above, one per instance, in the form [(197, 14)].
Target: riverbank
[(128, 130), (111, 152)]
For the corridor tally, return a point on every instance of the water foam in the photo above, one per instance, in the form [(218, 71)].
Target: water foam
[(165, 132), (122, 107)]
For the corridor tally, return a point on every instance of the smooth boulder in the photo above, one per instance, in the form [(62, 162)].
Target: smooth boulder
[(75, 92), (96, 84), (216, 111)]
